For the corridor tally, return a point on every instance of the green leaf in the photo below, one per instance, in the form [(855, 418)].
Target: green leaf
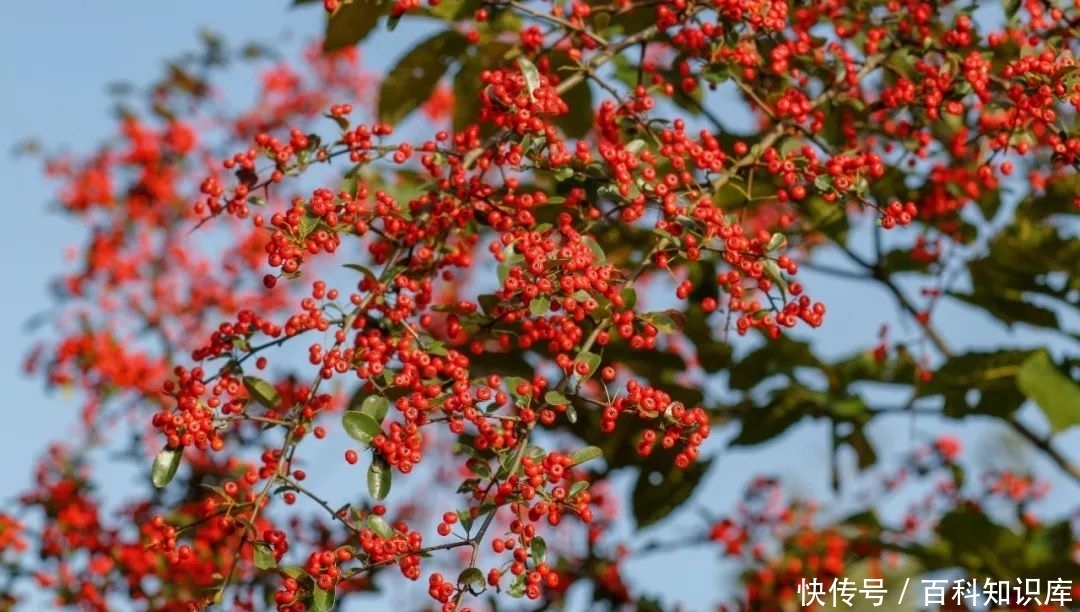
[(788, 407), (1056, 394), (379, 479), (363, 270), (587, 453), (455, 11), (472, 579), (539, 306), (165, 465), (531, 74), (1012, 7), (652, 503), (517, 587), (662, 321), (293, 571), (992, 373), (381, 528), (576, 489), (360, 427), (772, 269), (264, 556), (376, 407), (592, 361), (538, 550), (865, 454), (467, 85), (823, 182), (350, 24), (416, 75), (512, 384), (262, 392), (322, 600), (780, 356), (510, 259), (555, 398), (979, 544), (578, 122), (594, 246), (777, 241)]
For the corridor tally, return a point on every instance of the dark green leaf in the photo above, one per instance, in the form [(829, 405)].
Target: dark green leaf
[(579, 120), (166, 462), (1049, 552), (864, 450), (491, 362), (652, 503), (379, 479), (471, 578), (531, 74), (363, 270), (993, 374), (360, 427), (351, 24), (467, 85), (1008, 306), (381, 528), (417, 74), (262, 392), (980, 545), (788, 407), (780, 356), (827, 218), (455, 11)]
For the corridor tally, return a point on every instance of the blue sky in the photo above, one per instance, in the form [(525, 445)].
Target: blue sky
[(59, 56)]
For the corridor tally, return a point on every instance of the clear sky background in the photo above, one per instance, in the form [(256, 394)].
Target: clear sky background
[(59, 55)]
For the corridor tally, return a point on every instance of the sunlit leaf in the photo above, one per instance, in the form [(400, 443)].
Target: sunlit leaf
[(379, 478), (360, 426), (166, 462), (1056, 394), (264, 556), (376, 407), (587, 453), (262, 392)]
